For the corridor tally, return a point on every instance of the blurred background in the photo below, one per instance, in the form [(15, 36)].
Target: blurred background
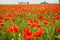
[(29, 1)]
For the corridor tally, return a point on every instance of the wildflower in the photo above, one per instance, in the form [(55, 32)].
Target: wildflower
[(2, 24), (12, 28), (1, 17), (9, 30), (36, 21), (9, 15), (7, 18), (39, 33), (46, 22), (57, 29), (40, 17), (0, 28), (15, 28), (20, 14), (32, 24), (15, 14), (13, 18), (55, 16), (0, 20), (38, 25), (28, 38), (27, 32)]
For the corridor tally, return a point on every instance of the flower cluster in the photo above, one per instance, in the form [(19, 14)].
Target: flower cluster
[(31, 21)]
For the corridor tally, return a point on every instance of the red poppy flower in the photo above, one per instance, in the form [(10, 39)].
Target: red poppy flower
[(9, 30), (46, 22), (0, 28), (38, 25), (32, 21), (32, 24), (40, 17), (2, 24), (0, 20), (13, 18), (7, 18), (42, 11), (54, 10), (39, 33), (59, 17), (9, 15), (12, 28), (55, 16), (2, 10), (27, 32), (20, 14), (28, 38), (15, 14), (1, 17), (57, 29), (36, 21)]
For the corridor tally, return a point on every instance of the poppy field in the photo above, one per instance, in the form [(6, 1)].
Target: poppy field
[(30, 22)]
